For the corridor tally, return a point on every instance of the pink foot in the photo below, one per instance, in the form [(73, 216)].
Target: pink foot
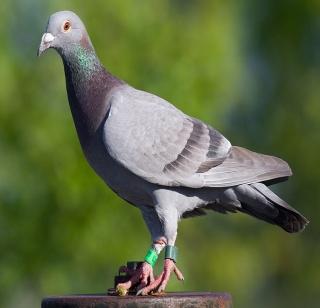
[(143, 274), (160, 283)]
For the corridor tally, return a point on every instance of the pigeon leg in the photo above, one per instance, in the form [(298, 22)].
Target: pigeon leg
[(143, 276), (149, 278), (169, 218)]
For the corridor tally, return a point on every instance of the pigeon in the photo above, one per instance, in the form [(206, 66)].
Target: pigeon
[(164, 162)]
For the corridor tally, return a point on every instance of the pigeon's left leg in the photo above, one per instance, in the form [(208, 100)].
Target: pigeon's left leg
[(169, 218), (143, 275)]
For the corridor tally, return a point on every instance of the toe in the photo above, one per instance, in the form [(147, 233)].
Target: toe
[(138, 274), (152, 286), (151, 277), (164, 282), (178, 273), (146, 275), (143, 283), (169, 266)]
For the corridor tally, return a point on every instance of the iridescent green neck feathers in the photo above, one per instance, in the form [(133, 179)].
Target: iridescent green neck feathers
[(81, 59)]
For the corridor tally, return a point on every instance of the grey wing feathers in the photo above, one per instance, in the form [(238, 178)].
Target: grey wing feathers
[(246, 167), (203, 148), (158, 142)]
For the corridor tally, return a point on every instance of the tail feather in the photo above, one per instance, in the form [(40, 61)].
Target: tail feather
[(259, 201)]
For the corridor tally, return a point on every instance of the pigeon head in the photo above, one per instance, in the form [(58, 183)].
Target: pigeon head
[(65, 32)]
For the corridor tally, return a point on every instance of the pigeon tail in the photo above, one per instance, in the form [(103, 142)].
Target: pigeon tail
[(259, 201)]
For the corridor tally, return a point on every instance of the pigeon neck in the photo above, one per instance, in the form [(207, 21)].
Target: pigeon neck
[(88, 85)]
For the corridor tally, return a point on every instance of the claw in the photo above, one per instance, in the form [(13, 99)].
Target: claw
[(141, 292), (143, 274), (160, 283), (178, 273), (145, 282), (152, 286)]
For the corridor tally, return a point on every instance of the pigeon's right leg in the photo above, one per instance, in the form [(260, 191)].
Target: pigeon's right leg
[(143, 275), (169, 218)]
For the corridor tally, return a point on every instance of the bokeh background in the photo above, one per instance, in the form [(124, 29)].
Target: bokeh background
[(250, 68)]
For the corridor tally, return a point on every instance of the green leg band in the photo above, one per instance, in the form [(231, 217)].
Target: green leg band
[(171, 253), (151, 257)]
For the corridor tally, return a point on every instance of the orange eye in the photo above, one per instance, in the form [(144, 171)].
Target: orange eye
[(66, 26)]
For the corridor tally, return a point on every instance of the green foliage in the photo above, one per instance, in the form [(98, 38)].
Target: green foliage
[(249, 68)]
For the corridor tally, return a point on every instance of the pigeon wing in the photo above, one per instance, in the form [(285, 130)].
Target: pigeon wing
[(156, 141), (246, 167), (159, 143)]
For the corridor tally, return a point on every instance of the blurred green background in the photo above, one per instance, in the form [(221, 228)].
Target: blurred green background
[(250, 68)]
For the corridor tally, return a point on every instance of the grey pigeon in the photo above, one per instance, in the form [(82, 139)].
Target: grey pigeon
[(166, 163)]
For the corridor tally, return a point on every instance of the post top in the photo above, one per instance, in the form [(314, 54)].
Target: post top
[(170, 300)]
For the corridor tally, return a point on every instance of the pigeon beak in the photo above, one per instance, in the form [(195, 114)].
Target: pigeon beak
[(46, 41)]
